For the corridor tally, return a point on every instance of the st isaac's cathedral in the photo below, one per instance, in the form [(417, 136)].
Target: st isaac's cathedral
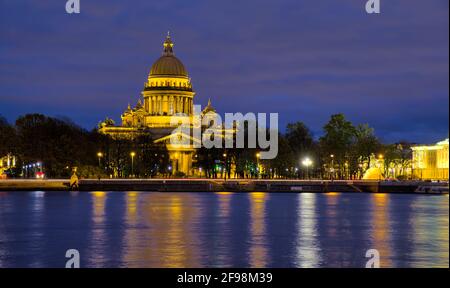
[(168, 98)]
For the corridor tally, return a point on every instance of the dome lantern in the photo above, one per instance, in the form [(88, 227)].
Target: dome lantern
[(168, 65), (168, 46)]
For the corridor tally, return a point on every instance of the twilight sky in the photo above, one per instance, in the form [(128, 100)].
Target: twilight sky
[(305, 59)]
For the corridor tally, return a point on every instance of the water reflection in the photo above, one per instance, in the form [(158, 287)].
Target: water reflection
[(38, 234), (332, 199), (97, 255), (381, 228), (223, 235), (168, 237), (132, 230), (331, 228), (430, 237), (141, 229), (258, 256), (132, 203), (308, 246)]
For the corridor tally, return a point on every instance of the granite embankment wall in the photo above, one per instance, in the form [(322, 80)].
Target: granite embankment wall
[(215, 185)]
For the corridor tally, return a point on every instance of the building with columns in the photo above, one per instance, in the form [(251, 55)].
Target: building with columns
[(168, 101), (430, 162)]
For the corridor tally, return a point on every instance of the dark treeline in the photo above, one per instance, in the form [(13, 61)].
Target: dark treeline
[(344, 151), (60, 145)]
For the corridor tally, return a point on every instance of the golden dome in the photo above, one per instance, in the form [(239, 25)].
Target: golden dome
[(168, 64)]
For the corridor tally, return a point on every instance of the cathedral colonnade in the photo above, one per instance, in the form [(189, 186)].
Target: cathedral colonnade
[(168, 104)]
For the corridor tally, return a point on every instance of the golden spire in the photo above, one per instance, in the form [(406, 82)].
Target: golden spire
[(208, 108), (168, 45)]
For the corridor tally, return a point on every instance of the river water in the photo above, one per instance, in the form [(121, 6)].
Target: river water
[(147, 229)]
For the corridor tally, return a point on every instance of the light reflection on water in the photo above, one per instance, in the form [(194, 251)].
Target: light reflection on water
[(307, 245), (381, 230), (258, 233), (139, 229)]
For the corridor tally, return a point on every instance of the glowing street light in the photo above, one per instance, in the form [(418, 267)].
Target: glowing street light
[(99, 155), (258, 155), (224, 168), (332, 167), (380, 158), (307, 162), (132, 154)]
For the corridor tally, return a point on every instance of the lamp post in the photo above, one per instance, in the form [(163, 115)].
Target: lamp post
[(224, 166), (307, 162), (380, 158), (132, 154), (332, 167), (99, 155), (257, 164)]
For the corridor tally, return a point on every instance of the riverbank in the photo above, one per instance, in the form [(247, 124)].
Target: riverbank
[(231, 185)]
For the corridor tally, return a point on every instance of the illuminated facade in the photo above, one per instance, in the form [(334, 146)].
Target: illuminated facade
[(168, 100), (7, 162), (431, 161)]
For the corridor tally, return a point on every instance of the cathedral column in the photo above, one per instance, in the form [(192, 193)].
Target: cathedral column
[(159, 104), (165, 106), (189, 160), (152, 104), (175, 103)]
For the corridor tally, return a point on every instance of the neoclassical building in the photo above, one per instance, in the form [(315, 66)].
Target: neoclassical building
[(431, 161), (168, 101)]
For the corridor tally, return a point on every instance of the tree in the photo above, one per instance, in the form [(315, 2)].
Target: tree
[(338, 140), (300, 139), (284, 164), (397, 157), (8, 138), (152, 158), (365, 146), (58, 144)]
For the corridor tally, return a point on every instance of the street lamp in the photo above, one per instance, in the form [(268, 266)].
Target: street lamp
[(257, 164), (132, 154), (332, 167), (307, 162), (380, 158), (99, 155), (224, 174)]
